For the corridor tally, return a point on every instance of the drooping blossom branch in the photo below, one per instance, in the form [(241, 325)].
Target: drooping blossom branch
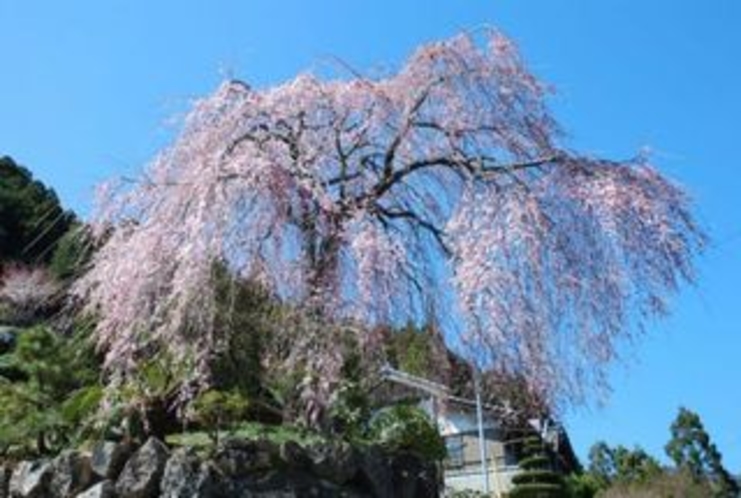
[(366, 198)]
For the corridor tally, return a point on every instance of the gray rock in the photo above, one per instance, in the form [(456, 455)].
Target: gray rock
[(294, 456), (31, 479), (413, 477), (237, 458), (104, 489), (337, 462), (186, 476), (240, 469), (142, 473), (285, 484), (374, 473), (71, 474), (5, 473), (108, 458)]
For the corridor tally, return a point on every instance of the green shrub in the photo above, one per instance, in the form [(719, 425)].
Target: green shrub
[(582, 485), (52, 395), (668, 483), (407, 428), (536, 479), (350, 405), (218, 411), (143, 405)]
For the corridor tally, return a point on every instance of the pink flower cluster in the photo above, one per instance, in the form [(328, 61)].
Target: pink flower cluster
[(367, 198)]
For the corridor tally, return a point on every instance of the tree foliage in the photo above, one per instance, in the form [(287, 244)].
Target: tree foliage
[(243, 331), (73, 252), (407, 428), (219, 411), (31, 217), (371, 198), (620, 465), (621, 472), (692, 451), (582, 485), (412, 349), (52, 394)]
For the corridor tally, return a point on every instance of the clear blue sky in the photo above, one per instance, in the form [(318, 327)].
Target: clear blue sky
[(87, 89)]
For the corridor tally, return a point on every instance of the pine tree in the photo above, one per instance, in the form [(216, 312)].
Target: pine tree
[(537, 479), (48, 390)]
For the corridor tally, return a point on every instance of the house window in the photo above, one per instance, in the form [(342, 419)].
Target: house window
[(512, 453), (454, 445)]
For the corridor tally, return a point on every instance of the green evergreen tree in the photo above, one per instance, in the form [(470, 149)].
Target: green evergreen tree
[(244, 311), (620, 464), (31, 217), (411, 350), (602, 464), (692, 451), (537, 479)]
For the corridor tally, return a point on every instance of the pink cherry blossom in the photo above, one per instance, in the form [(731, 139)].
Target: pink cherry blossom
[(366, 199)]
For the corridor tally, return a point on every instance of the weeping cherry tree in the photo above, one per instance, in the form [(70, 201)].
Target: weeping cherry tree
[(367, 199)]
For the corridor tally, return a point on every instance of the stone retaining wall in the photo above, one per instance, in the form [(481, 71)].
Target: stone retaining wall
[(238, 468)]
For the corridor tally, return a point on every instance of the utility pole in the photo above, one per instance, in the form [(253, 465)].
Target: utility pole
[(482, 439)]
